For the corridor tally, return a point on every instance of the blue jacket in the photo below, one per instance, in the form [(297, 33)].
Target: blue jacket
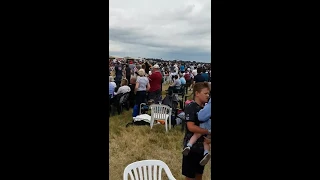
[(205, 113)]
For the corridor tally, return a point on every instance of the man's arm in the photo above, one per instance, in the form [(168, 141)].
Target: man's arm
[(196, 129), (190, 116), (136, 88), (151, 77), (205, 113), (148, 86)]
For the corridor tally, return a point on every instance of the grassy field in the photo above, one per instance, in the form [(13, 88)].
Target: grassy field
[(135, 143)]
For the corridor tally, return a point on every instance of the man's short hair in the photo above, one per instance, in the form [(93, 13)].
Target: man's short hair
[(199, 86)]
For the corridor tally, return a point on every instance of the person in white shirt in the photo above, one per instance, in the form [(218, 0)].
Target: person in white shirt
[(191, 67), (194, 72), (174, 73), (176, 69), (124, 88)]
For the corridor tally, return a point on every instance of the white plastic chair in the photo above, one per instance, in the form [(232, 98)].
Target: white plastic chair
[(161, 112), (146, 174)]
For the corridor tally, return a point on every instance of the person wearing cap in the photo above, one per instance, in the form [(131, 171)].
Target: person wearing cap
[(155, 80)]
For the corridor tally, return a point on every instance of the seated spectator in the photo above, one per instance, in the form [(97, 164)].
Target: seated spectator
[(124, 88), (182, 79), (175, 87), (111, 90), (111, 81), (112, 87), (198, 78), (205, 75)]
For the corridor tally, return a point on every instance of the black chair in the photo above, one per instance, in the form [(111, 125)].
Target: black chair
[(132, 95), (181, 92), (120, 101), (172, 89), (123, 102)]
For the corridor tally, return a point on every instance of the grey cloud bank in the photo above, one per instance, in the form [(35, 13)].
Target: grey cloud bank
[(161, 29)]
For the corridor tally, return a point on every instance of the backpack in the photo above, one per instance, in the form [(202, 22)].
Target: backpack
[(187, 76), (135, 111)]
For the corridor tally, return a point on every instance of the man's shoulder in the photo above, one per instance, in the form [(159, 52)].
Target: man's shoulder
[(191, 107)]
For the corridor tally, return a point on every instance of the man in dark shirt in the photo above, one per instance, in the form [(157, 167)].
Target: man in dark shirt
[(128, 72), (118, 78), (148, 66), (172, 68), (191, 167), (198, 78)]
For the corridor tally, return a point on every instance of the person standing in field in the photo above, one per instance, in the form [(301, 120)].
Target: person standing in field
[(128, 72), (118, 69), (191, 167), (141, 88), (194, 73), (188, 78), (155, 80), (182, 68)]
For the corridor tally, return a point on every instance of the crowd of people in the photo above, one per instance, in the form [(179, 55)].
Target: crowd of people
[(144, 80)]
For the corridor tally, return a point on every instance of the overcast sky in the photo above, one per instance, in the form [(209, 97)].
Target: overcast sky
[(168, 29)]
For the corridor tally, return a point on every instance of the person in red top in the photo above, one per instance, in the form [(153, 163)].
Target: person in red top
[(155, 84)]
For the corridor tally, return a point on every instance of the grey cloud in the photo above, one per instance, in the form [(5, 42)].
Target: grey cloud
[(180, 32)]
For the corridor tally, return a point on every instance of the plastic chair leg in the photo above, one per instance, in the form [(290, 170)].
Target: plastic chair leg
[(151, 123)]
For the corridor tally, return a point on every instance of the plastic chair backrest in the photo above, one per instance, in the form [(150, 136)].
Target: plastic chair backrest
[(147, 170), (160, 111)]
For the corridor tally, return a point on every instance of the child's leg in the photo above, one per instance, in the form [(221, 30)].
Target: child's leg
[(206, 155), (193, 139), (206, 148)]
